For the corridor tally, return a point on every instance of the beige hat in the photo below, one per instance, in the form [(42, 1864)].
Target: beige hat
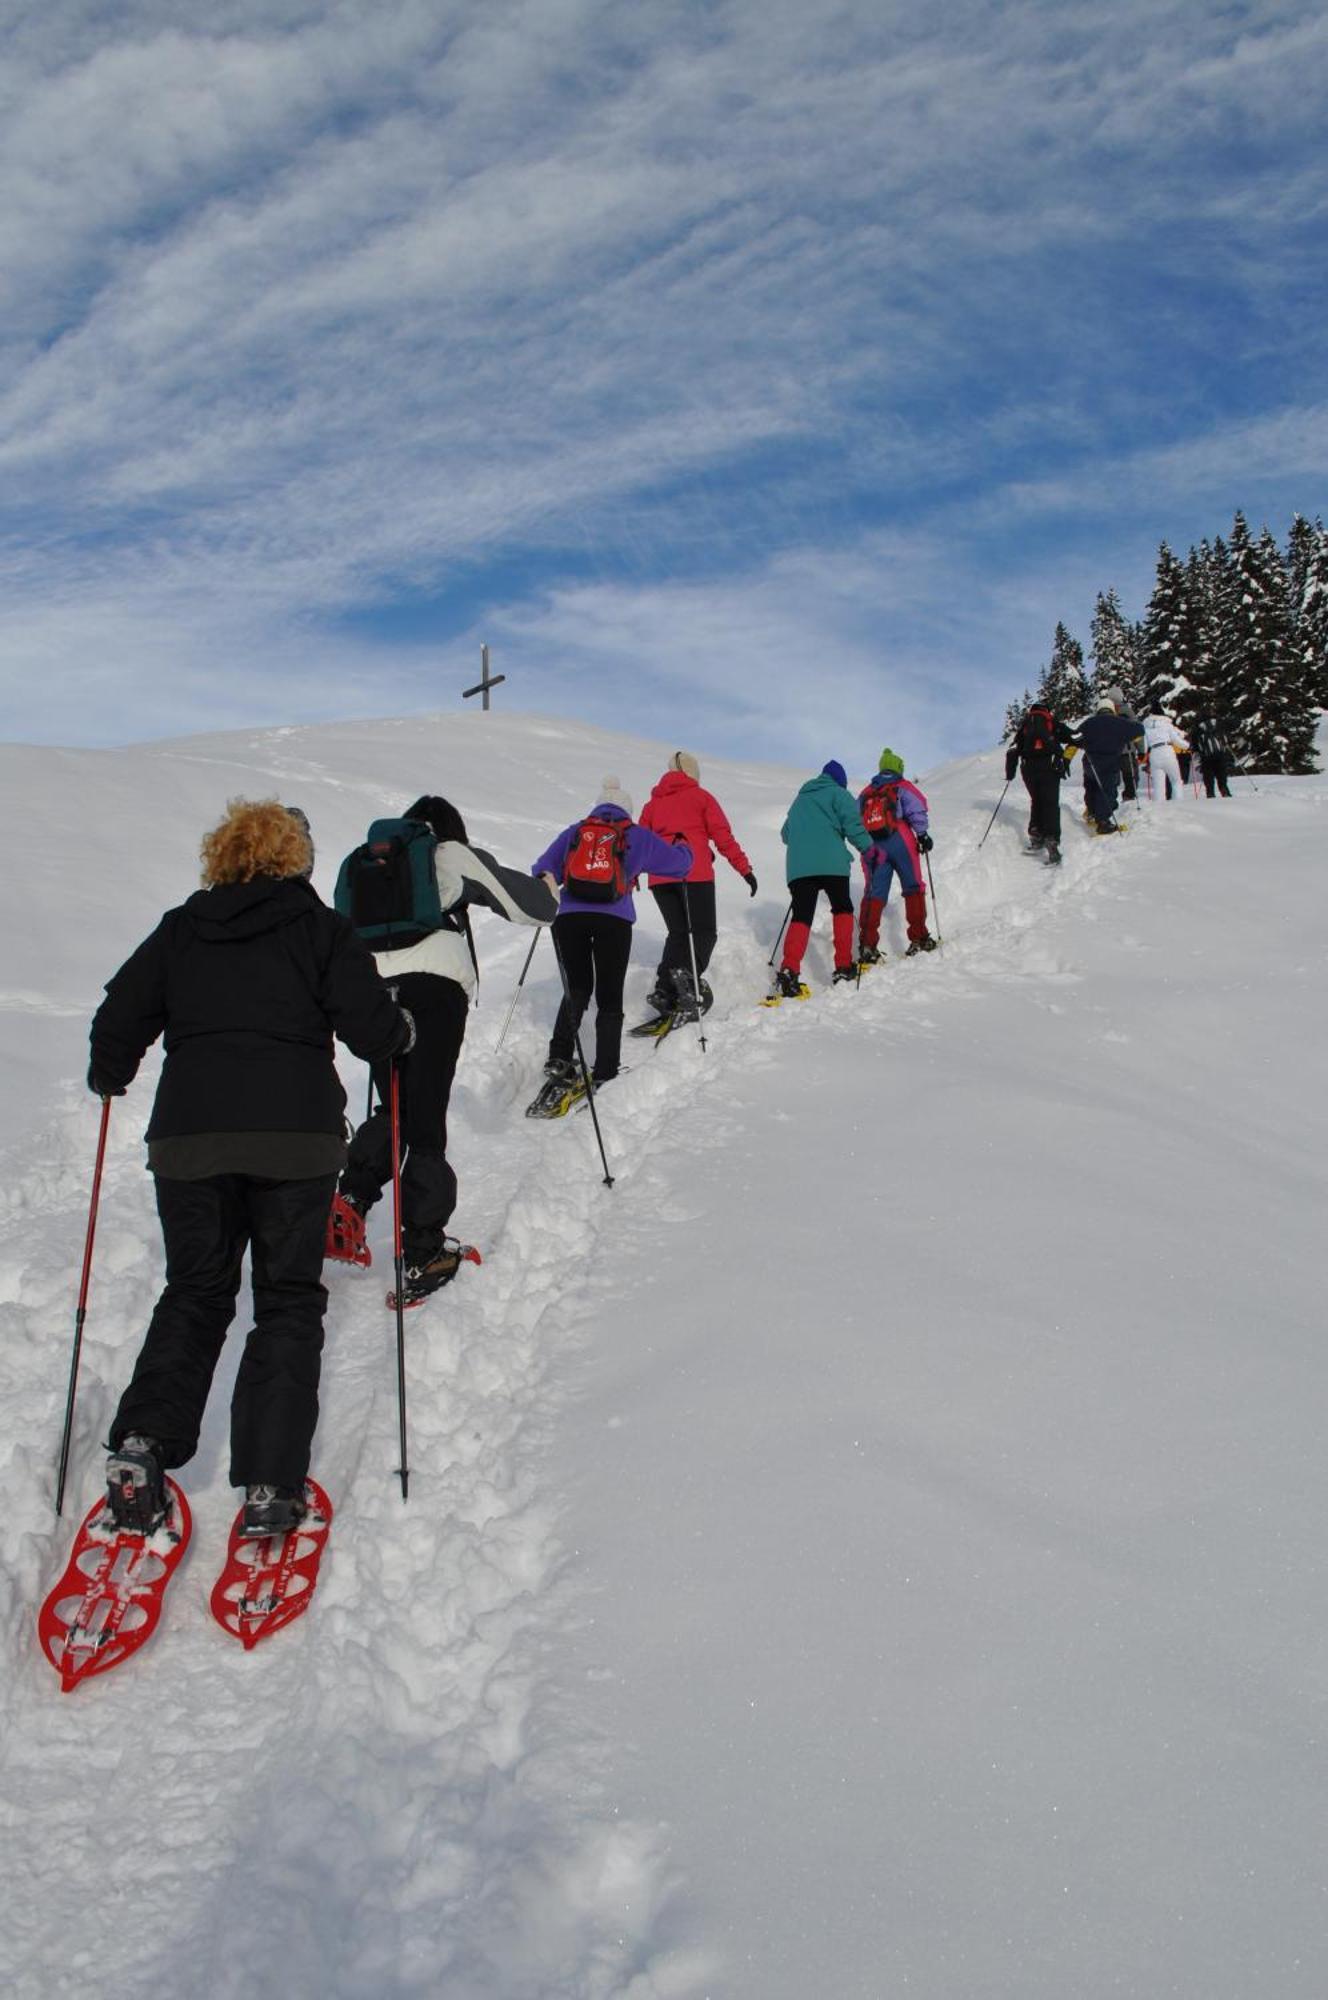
[(683, 760), (611, 793)]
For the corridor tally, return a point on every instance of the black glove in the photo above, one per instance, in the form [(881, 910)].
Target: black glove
[(925, 843), (750, 880), (407, 1042), (678, 840), (101, 1086)]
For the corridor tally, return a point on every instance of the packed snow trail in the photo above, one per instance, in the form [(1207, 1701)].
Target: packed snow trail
[(745, 1414)]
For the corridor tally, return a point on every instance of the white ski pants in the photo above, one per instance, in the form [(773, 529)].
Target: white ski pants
[(1162, 765)]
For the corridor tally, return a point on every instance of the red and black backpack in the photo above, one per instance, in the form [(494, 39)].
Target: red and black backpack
[(1039, 733), (596, 867), (880, 807)]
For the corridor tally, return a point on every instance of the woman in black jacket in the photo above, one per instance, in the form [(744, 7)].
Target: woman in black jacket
[(247, 982)]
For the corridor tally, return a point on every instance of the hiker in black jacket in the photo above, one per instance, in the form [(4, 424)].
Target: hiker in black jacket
[(1214, 757), (1038, 752), (1103, 739), (247, 982)]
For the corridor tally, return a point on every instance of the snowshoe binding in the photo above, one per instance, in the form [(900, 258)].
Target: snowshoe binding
[(787, 986), (109, 1598), (925, 943), (276, 1544), (136, 1487), (563, 1087), (845, 975), (423, 1279)]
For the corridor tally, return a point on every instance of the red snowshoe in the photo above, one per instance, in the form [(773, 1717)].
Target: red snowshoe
[(345, 1234), (269, 1579), (110, 1596)]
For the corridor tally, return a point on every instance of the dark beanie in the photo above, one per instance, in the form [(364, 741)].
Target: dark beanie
[(836, 771)]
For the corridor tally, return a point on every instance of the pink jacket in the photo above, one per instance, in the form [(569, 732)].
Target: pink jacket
[(679, 804)]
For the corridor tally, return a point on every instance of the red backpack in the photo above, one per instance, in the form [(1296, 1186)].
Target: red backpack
[(880, 808), (596, 867), (1040, 733)]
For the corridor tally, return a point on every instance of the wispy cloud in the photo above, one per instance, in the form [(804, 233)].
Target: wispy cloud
[(574, 316)]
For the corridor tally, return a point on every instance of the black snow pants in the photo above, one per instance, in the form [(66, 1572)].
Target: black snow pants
[(428, 1183), (677, 901), (1043, 785), (594, 951), (207, 1226)]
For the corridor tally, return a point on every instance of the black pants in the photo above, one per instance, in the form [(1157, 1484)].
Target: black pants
[(804, 890), (1043, 785), (206, 1226), (594, 951), (428, 1183), (1215, 775), (1129, 777), (678, 900), (1101, 788)]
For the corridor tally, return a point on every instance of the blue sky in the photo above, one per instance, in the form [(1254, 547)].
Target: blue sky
[(764, 375)]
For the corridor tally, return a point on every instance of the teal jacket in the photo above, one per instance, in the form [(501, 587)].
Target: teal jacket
[(822, 817)]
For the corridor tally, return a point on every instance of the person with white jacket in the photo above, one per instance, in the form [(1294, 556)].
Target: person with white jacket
[(1162, 740), (433, 976)]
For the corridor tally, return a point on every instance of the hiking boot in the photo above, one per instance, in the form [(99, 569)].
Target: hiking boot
[(1053, 853), (788, 983), (925, 943), (136, 1486), (1105, 826), (660, 998), (843, 974), (272, 1510), (1034, 842), (345, 1242), (869, 955), (430, 1274)]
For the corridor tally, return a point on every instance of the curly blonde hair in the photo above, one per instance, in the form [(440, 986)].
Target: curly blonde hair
[(257, 837)]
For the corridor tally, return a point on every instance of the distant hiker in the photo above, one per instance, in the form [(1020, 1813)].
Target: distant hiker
[(1103, 739), (1129, 763), (823, 816), (409, 890), (679, 804), (1162, 740), (1214, 758), (894, 814), (248, 981), (594, 864), (1038, 753)]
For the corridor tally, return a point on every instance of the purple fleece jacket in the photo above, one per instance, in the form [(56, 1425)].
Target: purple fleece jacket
[(646, 854)]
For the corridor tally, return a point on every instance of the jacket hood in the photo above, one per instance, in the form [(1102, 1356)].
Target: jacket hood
[(820, 783), (606, 809), (674, 781), (232, 911)]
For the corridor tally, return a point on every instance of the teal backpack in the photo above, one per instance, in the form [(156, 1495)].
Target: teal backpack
[(388, 887)]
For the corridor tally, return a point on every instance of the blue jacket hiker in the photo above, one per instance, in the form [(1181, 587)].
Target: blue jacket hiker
[(823, 817), (894, 813), (594, 864)]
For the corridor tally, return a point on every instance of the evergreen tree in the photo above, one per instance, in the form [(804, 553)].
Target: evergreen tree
[(1168, 648), (1015, 714), (1064, 685), (1261, 689), (1115, 644), (1307, 563)]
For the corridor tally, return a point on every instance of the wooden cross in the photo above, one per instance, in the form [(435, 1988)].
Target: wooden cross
[(485, 682)]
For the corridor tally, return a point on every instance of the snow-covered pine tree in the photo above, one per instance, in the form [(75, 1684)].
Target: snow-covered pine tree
[(1115, 652), (1307, 564), (1168, 649), (1015, 714), (1064, 685), (1262, 692)]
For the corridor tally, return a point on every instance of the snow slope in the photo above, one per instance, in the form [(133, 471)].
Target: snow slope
[(872, 1551)]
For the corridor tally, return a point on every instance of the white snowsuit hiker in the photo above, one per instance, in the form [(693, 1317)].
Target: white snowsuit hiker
[(1162, 740)]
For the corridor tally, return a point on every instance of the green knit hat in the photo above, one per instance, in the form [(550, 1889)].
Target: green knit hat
[(890, 761)]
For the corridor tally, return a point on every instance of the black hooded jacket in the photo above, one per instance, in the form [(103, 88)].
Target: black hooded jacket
[(247, 982)]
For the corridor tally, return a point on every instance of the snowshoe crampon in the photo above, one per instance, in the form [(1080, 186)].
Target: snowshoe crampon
[(657, 1027), (268, 1580), (109, 1598), (556, 1099)]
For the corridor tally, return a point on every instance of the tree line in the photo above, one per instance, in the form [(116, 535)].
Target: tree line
[(1239, 631)]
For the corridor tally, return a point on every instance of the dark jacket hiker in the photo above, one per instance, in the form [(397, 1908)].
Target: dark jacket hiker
[(247, 983)]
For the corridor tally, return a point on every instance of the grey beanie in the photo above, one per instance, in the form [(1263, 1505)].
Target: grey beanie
[(683, 760), (611, 793)]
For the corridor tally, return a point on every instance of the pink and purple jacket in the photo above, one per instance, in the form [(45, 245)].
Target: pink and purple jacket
[(896, 853), (679, 804), (645, 852)]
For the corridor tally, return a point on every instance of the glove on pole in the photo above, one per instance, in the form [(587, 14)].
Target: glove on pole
[(81, 1313)]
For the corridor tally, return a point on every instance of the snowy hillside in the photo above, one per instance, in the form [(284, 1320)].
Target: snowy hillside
[(873, 1551)]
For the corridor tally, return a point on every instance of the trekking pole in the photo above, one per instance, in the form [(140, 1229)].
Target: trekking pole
[(696, 977), (517, 995), (779, 940), (999, 803), (399, 1267), (586, 1077), (81, 1313), (936, 915)]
